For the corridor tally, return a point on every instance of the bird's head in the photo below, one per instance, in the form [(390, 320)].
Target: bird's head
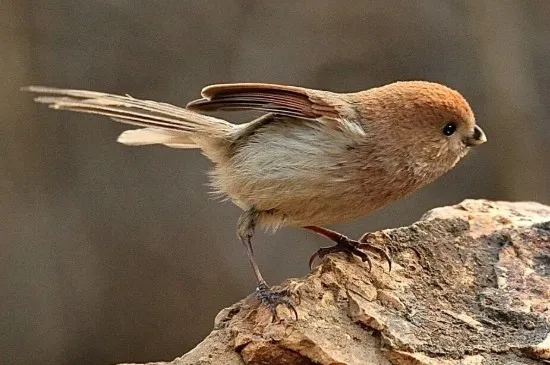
[(429, 123)]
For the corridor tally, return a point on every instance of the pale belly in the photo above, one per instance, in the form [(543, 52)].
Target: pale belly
[(314, 180)]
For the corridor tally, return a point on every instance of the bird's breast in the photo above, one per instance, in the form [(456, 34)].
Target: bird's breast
[(310, 174)]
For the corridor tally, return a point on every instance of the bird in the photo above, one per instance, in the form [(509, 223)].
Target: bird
[(311, 159)]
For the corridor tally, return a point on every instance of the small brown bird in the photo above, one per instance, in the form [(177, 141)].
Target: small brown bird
[(315, 158)]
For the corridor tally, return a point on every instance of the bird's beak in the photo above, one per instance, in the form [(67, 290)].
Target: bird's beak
[(477, 138)]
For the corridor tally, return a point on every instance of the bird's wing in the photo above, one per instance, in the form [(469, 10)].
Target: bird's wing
[(278, 99)]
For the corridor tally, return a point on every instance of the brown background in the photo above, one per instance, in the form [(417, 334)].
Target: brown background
[(112, 254)]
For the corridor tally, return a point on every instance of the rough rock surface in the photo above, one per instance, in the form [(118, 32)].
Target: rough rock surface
[(470, 284)]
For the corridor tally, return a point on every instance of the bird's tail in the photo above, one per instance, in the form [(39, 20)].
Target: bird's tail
[(161, 123)]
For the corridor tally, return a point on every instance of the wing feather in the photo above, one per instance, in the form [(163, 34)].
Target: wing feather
[(279, 99)]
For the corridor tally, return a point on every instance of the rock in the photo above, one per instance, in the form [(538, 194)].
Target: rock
[(470, 285)]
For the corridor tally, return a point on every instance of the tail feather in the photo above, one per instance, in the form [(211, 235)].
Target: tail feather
[(147, 136), (163, 123)]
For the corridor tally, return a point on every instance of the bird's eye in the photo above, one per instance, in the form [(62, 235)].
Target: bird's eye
[(449, 128)]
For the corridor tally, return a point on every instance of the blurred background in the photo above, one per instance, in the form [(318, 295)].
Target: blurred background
[(116, 254)]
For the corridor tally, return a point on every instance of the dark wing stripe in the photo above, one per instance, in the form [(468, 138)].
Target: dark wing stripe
[(274, 99)]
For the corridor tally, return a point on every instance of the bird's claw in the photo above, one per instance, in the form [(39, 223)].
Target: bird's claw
[(347, 246), (273, 298), (351, 248), (381, 252)]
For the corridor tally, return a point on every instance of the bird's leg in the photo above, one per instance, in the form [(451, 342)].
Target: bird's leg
[(270, 298), (344, 244)]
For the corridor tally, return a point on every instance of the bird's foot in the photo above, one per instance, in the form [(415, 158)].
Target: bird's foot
[(273, 298), (352, 248)]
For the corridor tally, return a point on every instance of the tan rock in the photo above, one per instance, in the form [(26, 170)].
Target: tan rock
[(471, 286)]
